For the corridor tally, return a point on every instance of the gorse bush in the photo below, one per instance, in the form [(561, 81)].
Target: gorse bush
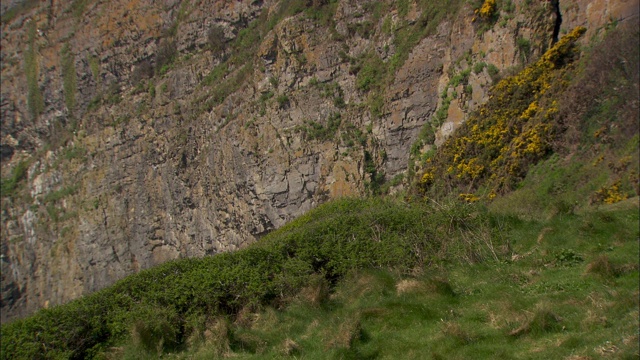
[(496, 146)]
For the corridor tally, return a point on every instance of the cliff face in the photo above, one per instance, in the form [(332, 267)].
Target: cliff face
[(136, 132)]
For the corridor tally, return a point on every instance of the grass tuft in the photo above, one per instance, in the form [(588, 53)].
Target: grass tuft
[(543, 321), (602, 266)]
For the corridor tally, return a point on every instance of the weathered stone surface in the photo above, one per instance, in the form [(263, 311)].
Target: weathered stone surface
[(154, 169)]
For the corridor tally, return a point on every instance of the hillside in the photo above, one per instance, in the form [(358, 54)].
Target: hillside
[(372, 279), (516, 237), (137, 132)]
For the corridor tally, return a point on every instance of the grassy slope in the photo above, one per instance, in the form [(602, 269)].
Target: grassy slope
[(569, 287), (548, 269), (557, 299)]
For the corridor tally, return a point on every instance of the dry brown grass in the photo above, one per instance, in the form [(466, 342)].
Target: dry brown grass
[(408, 286), (543, 321), (316, 293), (431, 286), (602, 266), (216, 336), (455, 331), (346, 334), (290, 347), (246, 317), (266, 319)]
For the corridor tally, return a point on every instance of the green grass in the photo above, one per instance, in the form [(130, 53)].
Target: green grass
[(531, 307), (69, 82), (313, 130), (18, 10), (78, 7), (10, 184), (60, 194), (373, 279)]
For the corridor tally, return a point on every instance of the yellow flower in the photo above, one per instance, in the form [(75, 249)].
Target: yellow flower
[(488, 9), (470, 198)]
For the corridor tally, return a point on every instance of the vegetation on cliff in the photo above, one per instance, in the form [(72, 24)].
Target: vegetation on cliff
[(518, 240)]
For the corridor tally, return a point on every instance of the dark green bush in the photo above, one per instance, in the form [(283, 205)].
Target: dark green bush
[(165, 55), (371, 74), (154, 327), (478, 67), (283, 101), (493, 72), (216, 39)]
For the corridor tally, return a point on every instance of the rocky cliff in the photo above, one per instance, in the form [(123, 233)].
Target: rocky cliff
[(136, 132)]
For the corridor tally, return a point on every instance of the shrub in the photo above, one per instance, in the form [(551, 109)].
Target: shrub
[(216, 40), (605, 97), (524, 47), (113, 96), (376, 104), (371, 74), (161, 308), (78, 7), (283, 101), (478, 67), (60, 194), (609, 194), (316, 131), (154, 327), (403, 8), (142, 71), (493, 72), (94, 65), (488, 10), (498, 143), (321, 11), (165, 55), (460, 78), (509, 6)]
